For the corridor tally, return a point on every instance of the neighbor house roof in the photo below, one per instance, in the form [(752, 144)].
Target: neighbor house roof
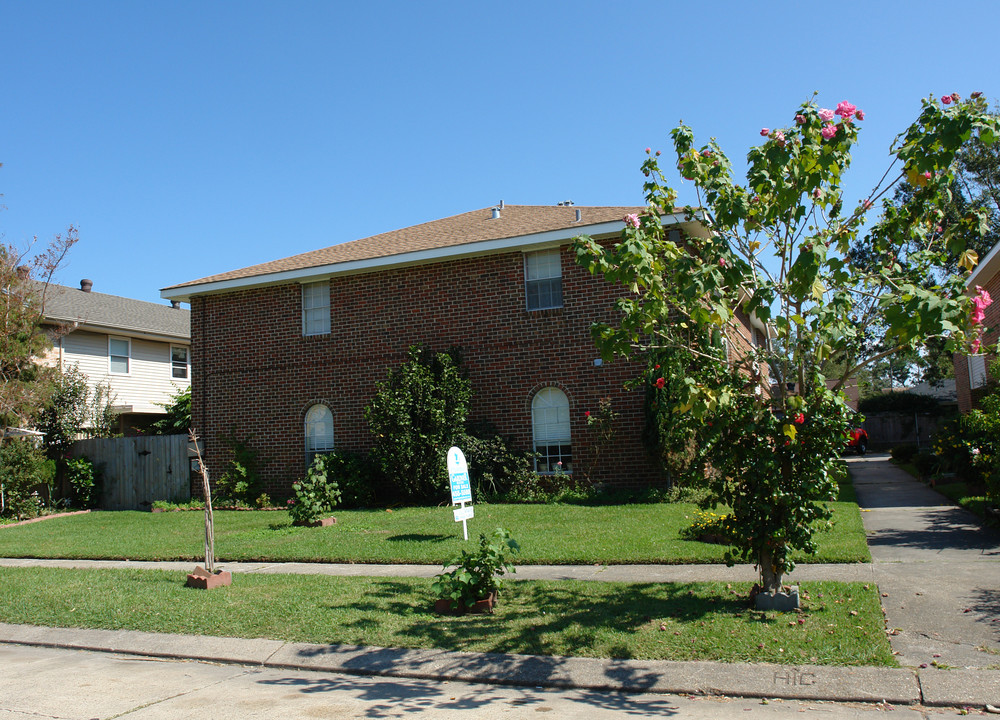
[(113, 314), (481, 231)]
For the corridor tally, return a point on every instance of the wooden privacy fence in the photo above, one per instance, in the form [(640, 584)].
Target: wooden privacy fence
[(888, 429), (136, 471)]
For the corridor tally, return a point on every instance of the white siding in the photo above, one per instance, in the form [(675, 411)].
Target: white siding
[(149, 380)]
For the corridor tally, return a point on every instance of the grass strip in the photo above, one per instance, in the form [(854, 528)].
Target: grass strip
[(548, 534), (840, 623)]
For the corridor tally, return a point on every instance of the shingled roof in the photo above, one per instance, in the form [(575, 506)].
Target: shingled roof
[(466, 230), (67, 306)]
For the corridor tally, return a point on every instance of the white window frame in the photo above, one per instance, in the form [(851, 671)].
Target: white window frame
[(316, 308), (174, 365), (977, 371), (318, 439), (127, 355), (541, 270), (550, 431)]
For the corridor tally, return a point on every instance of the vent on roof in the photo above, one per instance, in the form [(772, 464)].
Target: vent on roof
[(579, 215), (565, 203), (496, 213), (86, 285), (175, 304)]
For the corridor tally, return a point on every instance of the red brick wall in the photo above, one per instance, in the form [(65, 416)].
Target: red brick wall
[(255, 375)]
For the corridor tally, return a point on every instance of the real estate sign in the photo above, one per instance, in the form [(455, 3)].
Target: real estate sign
[(461, 488)]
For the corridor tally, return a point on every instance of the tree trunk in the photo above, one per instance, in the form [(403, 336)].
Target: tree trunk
[(770, 578)]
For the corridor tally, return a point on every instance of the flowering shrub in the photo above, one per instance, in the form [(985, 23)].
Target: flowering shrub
[(316, 496), (710, 527), (778, 250)]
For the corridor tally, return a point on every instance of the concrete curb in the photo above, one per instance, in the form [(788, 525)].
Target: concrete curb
[(804, 682)]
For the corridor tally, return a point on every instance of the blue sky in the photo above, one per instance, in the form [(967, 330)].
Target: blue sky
[(189, 138)]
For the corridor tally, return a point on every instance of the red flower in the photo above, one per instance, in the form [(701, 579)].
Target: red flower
[(799, 418), (660, 382), (587, 414), (657, 367)]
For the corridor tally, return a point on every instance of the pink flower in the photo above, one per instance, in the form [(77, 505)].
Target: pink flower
[(946, 99), (706, 153), (780, 137), (983, 298), (956, 97), (928, 175), (828, 131), (817, 193), (799, 418), (846, 110), (660, 382), (632, 219), (977, 94), (975, 346), (657, 153), (764, 132), (291, 501), (980, 303), (647, 151), (800, 119), (860, 114), (722, 262), (826, 114)]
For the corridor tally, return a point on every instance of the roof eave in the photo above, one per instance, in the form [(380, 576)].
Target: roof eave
[(534, 241)]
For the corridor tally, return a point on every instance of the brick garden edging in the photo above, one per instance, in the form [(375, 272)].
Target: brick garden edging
[(46, 517)]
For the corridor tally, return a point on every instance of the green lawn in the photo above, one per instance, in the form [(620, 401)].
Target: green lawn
[(840, 624), (548, 534)]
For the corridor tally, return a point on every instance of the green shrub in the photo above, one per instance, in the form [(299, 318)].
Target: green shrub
[(477, 574), (418, 412), (495, 466), (903, 453), (26, 477), (241, 483), (83, 481), (315, 496), (901, 402), (353, 474)]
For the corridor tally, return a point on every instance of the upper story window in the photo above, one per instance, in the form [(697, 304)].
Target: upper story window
[(543, 279), (319, 432), (977, 371), (551, 431), (119, 352), (316, 308), (179, 362)]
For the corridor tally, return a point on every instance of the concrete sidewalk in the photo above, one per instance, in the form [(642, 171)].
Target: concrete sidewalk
[(937, 568)]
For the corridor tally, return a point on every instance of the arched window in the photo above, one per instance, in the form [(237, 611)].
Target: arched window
[(550, 427), (319, 432)]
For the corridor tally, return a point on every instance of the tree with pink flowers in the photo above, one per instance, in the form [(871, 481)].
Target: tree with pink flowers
[(775, 246)]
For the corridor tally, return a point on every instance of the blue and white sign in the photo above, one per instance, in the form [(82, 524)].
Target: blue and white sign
[(458, 477), (461, 488)]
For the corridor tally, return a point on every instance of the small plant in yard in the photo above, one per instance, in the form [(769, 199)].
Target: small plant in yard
[(710, 527), (476, 575), (242, 482), (316, 495), (84, 480)]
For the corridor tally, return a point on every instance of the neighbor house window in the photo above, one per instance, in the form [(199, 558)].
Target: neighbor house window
[(316, 308), (543, 279), (319, 432), (179, 362), (550, 427), (119, 351), (977, 371)]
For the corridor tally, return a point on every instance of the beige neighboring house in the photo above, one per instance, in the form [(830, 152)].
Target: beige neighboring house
[(140, 350)]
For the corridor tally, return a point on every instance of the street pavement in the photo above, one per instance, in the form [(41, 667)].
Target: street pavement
[(936, 567)]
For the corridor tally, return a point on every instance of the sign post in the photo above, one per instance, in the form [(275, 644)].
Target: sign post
[(461, 488)]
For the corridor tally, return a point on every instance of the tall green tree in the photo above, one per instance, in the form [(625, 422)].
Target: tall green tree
[(777, 246)]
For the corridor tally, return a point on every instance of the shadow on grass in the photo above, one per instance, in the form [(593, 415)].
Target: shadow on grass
[(416, 537), (539, 618)]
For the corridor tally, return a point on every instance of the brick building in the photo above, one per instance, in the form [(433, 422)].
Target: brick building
[(288, 353), (972, 372)]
